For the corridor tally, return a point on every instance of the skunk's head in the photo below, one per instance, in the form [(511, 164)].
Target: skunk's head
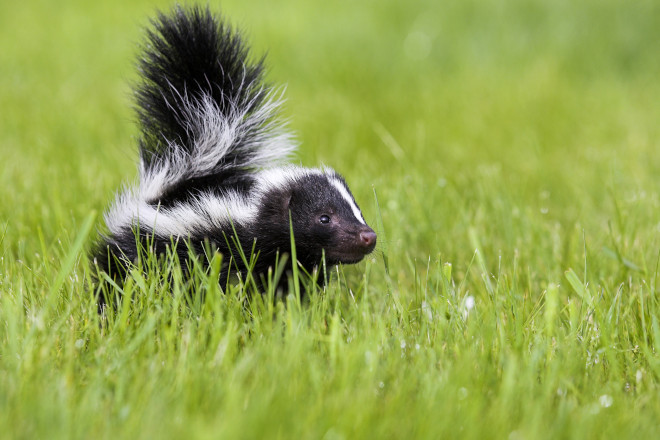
[(325, 218)]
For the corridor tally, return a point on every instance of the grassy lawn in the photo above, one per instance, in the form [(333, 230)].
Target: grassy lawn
[(505, 152)]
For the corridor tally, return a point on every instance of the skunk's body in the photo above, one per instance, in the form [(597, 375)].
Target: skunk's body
[(209, 150)]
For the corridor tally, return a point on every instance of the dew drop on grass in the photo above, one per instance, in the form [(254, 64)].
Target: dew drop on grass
[(468, 305), (427, 310), (38, 321), (606, 400)]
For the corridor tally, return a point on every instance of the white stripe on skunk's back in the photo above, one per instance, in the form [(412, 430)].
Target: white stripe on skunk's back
[(208, 211), (204, 212)]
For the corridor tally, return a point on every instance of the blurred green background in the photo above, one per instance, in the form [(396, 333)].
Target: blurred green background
[(527, 129), (482, 111)]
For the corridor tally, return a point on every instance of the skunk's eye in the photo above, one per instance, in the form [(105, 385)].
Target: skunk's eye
[(324, 219)]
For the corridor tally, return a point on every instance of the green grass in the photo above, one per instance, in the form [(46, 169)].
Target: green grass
[(513, 147)]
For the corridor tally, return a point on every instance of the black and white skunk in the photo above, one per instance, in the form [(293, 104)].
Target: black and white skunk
[(210, 145)]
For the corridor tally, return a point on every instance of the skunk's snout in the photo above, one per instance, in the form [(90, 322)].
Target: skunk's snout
[(368, 240), (351, 245)]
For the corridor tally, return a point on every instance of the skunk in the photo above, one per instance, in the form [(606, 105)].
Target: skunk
[(211, 151)]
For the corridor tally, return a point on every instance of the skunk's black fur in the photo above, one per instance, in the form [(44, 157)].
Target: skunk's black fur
[(209, 149)]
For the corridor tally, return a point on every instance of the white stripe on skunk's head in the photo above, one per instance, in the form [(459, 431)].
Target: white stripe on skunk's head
[(295, 176), (324, 215), (340, 185)]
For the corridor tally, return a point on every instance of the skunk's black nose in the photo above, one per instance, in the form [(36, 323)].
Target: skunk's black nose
[(368, 239)]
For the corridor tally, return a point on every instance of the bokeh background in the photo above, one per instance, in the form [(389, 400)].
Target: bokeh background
[(474, 112), (528, 130)]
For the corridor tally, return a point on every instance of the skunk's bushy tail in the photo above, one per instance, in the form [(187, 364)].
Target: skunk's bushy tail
[(204, 111)]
